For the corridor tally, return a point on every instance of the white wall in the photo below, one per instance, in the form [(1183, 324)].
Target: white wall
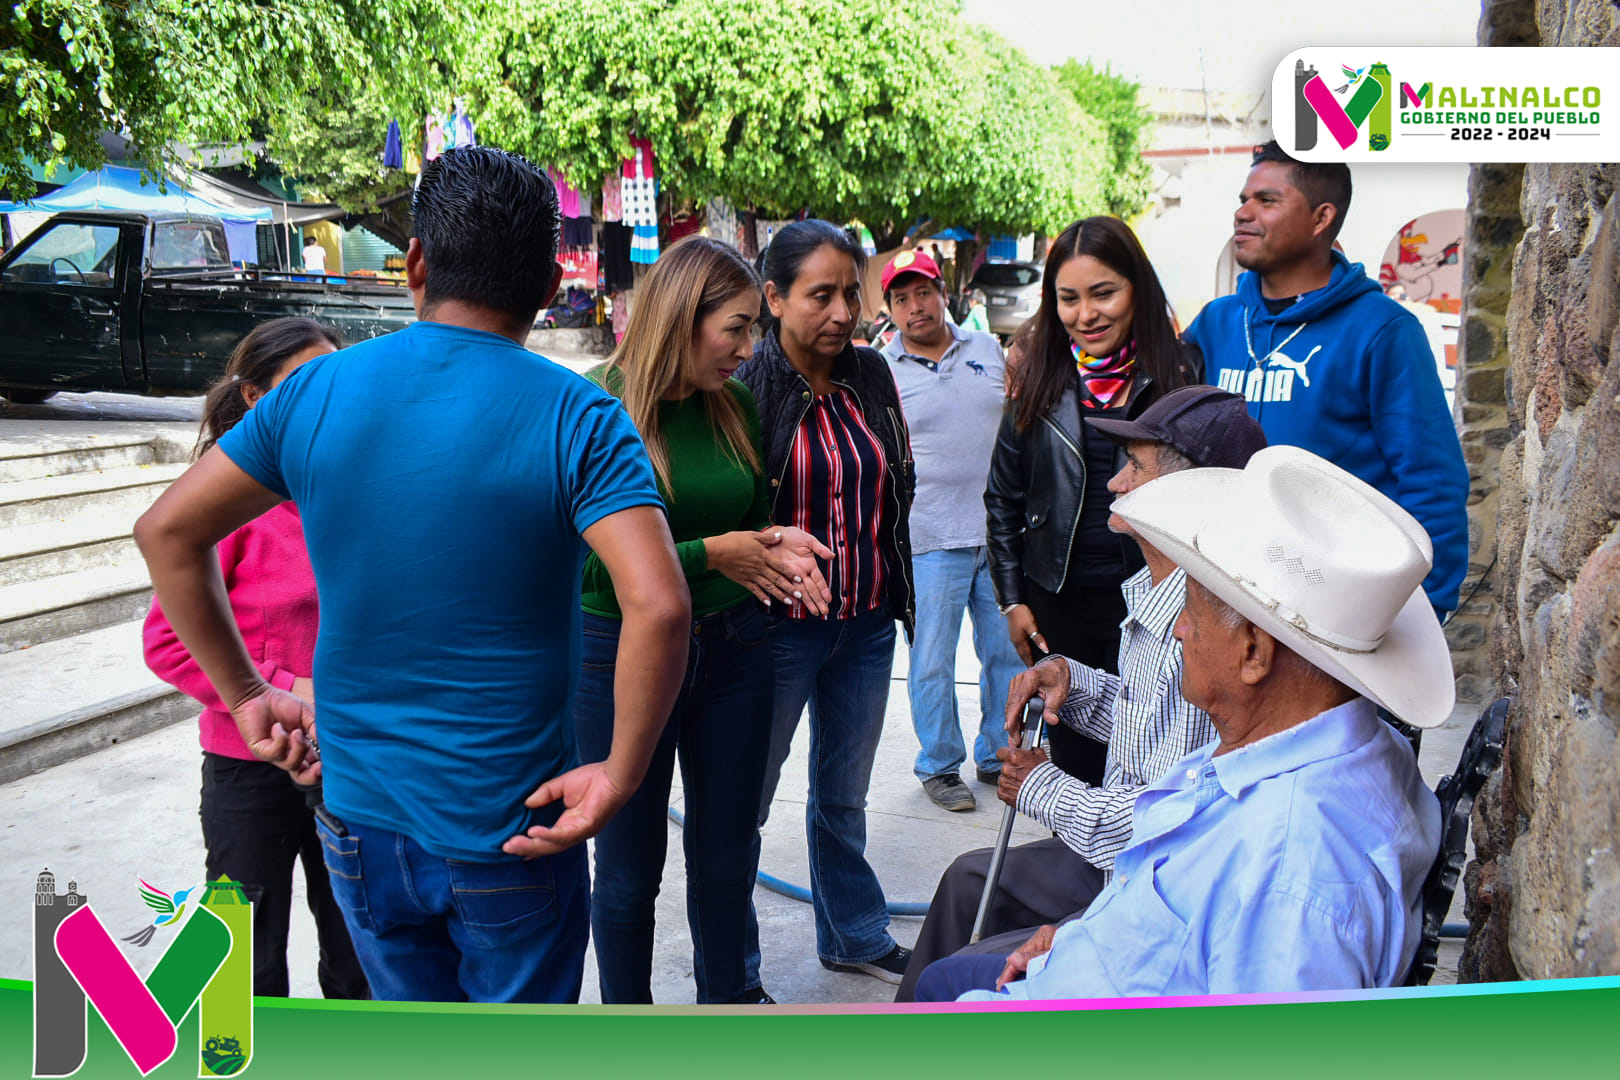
[(1185, 243)]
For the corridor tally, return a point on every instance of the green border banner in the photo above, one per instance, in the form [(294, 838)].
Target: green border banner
[(1518, 1030)]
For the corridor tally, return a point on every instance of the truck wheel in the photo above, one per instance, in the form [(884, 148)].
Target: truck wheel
[(18, 396)]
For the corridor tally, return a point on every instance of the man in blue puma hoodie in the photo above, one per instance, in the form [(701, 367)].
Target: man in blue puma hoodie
[(1329, 363)]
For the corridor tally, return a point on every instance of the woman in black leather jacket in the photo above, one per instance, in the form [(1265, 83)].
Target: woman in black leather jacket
[(1102, 344), (838, 459)]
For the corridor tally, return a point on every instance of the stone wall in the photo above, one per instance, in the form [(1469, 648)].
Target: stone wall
[(1542, 398)]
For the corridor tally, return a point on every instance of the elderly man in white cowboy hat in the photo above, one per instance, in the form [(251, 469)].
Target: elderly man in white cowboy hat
[(1290, 853)]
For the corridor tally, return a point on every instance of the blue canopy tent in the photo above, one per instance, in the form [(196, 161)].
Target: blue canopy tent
[(117, 188)]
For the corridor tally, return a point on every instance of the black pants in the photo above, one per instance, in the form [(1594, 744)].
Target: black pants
[(256, 823), (1081, 623)]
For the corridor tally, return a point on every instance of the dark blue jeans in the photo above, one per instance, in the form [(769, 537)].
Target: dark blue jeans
[(842, 669), (427, 928), (950, 978), (720, 730)]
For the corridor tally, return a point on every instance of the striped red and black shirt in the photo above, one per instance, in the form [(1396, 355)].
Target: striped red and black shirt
[(836, 480)]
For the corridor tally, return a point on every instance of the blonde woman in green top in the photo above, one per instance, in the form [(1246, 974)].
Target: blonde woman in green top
[(691, 328)]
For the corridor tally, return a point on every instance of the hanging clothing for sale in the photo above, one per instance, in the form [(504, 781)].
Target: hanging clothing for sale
[(462, 125), (641, 203), (639, 165), (578, 232), (639, 189), (644, 244), (567, 196), (682, 223), (450, 128), (433, 138), (612, 199), (393, 150), (614, 262)]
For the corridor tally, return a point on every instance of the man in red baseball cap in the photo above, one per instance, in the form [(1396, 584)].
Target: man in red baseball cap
[(952, 385), (918, 305)]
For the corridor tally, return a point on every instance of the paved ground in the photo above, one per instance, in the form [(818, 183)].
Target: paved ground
[(131, 810)]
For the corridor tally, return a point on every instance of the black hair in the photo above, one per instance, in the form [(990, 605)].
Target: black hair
[(488, 223), (1048, 364), (781, 262), (1324, 183), (256, 361)]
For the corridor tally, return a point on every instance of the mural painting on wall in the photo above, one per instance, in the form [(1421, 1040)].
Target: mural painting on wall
[(1424, 261), (1422, 270)]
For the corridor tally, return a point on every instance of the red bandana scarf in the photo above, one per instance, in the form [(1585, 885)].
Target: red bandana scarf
[(1103, 378)]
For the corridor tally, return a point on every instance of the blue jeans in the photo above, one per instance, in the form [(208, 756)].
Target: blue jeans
[(953, 976), (841, 668), (428, 928), (719, 731), (949, 582)]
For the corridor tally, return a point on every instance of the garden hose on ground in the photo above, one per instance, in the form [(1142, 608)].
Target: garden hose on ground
[(802, 894)]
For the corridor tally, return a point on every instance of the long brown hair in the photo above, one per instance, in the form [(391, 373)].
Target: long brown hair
[(256, 361), (694, 277), (1048, 364)]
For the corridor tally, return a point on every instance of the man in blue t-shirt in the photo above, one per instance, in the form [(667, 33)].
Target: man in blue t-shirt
[(449, 481)]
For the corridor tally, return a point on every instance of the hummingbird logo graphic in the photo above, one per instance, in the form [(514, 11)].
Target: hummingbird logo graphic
[(170, 910), (1351, 75)]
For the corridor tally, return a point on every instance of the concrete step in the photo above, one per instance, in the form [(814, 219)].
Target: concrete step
[(68, 698), (119, 494), (62, 605), (35, 459), (41, 551)]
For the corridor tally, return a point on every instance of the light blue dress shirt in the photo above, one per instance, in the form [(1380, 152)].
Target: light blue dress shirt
[(1294, 863)]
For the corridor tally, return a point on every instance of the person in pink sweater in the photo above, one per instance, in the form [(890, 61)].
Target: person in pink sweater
[(256, 822)]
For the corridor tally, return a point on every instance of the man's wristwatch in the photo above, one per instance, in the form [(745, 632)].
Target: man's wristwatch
[(1008, 607)]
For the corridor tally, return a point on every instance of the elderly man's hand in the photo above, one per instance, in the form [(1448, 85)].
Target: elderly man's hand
[(1048, 680), (1018, 962), (1016, 764)]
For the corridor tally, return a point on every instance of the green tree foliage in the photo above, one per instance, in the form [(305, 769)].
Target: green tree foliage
[(878, 109), (201, 71), (335, 154), (1113, 99)]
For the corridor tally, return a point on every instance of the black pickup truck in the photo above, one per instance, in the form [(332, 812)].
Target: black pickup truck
[(150, 304)]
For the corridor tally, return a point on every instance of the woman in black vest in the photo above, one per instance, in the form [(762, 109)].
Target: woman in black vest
[(839, 462)]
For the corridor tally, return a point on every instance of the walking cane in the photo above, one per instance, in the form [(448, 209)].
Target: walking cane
[(1032, 736)]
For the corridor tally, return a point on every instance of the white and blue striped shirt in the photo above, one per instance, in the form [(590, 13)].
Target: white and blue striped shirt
[(1140, 713)]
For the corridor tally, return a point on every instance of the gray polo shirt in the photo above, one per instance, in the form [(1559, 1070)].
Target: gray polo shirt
[(953, 409)]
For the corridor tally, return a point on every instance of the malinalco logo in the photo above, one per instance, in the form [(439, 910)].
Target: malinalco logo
[(1404, 103), (1362, 99), (207, 962)]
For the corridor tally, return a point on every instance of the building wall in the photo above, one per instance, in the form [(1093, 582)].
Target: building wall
[(1539, 400)]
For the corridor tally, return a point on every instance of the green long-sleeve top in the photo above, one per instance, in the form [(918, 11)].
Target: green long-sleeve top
[(713, 493)]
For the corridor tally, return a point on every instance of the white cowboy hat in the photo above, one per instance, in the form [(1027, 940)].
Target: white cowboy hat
[(1316, 558)]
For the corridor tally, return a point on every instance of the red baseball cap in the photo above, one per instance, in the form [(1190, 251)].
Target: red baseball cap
[(910, 262)]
